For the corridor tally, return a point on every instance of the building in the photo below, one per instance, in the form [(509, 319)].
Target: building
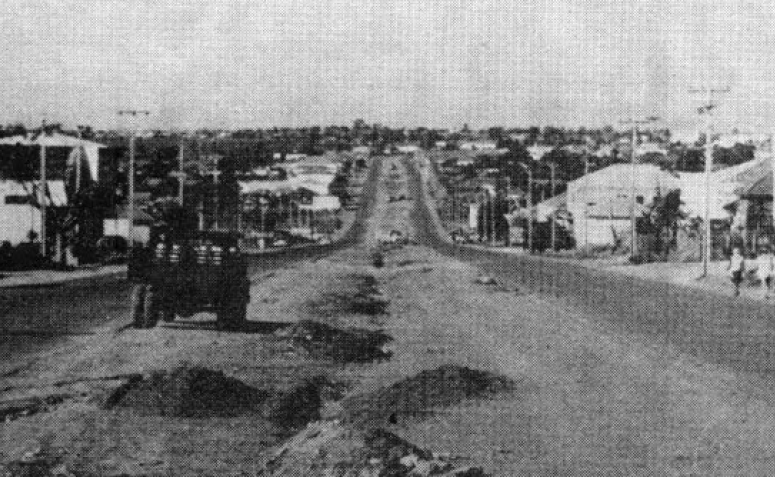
[(601, 203), (117, 224), (91, 149), (478, 146), (20, 217)]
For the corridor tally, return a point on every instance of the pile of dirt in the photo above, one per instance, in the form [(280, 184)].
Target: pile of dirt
[(188, 392), (346, 346), (416, 396), (359, 295), (330, 448)]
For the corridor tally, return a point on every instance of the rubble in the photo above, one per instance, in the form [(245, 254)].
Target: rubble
[(333, 448)]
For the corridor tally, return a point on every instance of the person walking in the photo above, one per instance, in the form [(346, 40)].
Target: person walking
[(765, 270), (736, 268)]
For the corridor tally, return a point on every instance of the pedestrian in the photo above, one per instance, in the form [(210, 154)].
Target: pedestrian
[(765, 269), (736, 268)]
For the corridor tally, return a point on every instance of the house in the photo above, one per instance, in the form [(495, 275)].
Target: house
[(477, 146), (117, 224), (601, 203), (408, 148), (753, 214), (91, 149), (20, 217), (726, 187), (538, 151)]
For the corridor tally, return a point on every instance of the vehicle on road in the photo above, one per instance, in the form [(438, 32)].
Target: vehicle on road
[(183, 274)]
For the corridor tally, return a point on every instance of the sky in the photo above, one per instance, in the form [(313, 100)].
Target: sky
[(435, 63)]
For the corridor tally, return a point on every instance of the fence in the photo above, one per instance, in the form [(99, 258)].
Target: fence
[(733, 332)]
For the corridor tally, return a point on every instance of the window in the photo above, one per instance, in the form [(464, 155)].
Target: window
[(17, 200)]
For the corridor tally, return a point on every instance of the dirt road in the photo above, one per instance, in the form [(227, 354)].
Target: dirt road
[(443, 360)]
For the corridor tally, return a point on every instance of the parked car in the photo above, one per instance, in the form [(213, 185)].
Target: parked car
[(112, 249)]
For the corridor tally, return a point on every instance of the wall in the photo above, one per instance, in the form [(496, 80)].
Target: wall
[(16, 221)]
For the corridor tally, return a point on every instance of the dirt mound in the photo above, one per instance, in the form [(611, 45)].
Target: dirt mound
[(347, 346), (416, 396), (297, 407), (188, 392), (330, 448), (358, 294)]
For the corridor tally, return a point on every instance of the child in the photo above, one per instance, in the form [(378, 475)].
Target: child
[(765, 269), (736, 268)]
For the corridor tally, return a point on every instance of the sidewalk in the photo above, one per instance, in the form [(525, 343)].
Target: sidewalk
[(28, 278)]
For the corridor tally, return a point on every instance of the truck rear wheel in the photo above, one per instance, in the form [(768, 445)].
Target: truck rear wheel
[(137, 305), (232, 317), (150, 308)]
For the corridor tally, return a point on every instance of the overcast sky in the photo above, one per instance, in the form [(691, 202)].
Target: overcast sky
[(437, 63)]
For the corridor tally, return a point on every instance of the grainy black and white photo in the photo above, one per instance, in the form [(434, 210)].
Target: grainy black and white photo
[(351, 238)]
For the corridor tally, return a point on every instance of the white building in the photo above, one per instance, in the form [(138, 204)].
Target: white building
[(725, 186), (19, 217), (601, 202), (91, 148)]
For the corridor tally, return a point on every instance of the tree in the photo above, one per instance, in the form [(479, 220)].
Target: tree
[(663, 217)]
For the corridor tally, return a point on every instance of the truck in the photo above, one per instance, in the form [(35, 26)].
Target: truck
[(180, 274)]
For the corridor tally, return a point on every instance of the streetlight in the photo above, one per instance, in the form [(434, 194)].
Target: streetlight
[(529, 206)]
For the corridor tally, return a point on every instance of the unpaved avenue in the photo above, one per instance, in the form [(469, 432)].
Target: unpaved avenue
[(587, 399)]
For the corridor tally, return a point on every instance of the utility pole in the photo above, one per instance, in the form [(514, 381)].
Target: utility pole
[(182, 175), (130, 210), (508, 210), (586, 201), (42, 190), (493, 199), (215, 173), (634, 199), (772, 165), (707, 109), (553, 167), (529, 207)]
